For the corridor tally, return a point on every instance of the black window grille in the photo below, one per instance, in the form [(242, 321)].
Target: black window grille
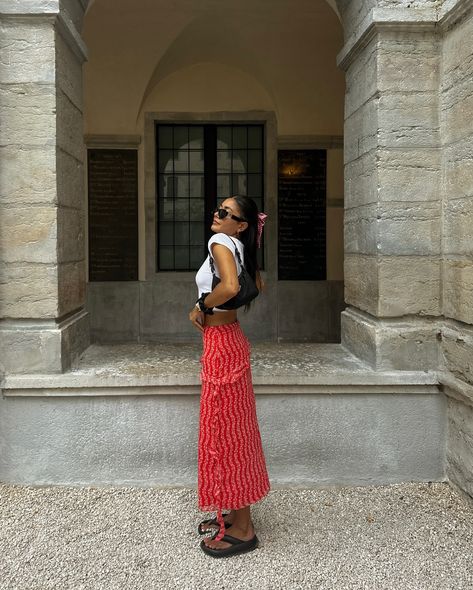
[(197, 167)]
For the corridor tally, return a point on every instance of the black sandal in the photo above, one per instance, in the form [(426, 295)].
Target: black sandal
[(202, 525), (237, 546)]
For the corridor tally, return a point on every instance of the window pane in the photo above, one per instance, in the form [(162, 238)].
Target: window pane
[(181, 233), (182, 186), (224, 162), (182, 220), (224, 138), (196, 161), (165, 161), (239, 161), (255, 137), (181, 137), (223, 186), (239, 184), (196, 209), (196, 137), (181, 161), (166, 233), (182, 257), (166, 210), (197, 234), (166, 186), (166, 258), (181, 209), (197, 256), (255, 161), (165, 137), (255, 185), (239, 137), (196, 186)]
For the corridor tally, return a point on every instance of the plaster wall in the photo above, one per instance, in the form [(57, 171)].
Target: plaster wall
[(285, 57), (355, 439)]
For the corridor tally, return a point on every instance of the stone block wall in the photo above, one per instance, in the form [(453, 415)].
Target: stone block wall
[(392, 199), (28, 189), (43, 323), (409, 198), (456, 118)]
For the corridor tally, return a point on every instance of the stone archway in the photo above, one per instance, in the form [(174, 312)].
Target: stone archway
[(408, 268), (388, 126), (220, 66)]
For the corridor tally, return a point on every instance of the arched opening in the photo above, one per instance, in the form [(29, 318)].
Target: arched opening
[(224, 67), (232, 69)]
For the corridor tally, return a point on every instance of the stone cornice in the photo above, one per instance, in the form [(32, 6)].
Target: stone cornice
[(47, 12), (112, 141), (452, 11), (29, 7), (455, 388), (402, 19), (310, 141), (391, 19), (73, 384), (71, 36)]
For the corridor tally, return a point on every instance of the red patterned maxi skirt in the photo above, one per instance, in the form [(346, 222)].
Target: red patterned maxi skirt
[(231, 465)]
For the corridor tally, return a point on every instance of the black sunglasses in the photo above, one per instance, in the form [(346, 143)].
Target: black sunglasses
[(222, 213)]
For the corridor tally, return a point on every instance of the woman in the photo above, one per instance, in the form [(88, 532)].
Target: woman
[(231, 465)]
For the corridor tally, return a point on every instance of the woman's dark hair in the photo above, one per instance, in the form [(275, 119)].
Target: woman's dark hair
[(249, 212)]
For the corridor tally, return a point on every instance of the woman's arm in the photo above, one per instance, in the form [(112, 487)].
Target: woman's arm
[(229, 285), (225, 290)]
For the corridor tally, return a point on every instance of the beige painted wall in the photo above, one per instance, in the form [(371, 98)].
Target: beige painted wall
[(207, 56)]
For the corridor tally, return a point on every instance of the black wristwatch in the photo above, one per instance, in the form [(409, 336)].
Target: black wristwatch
[(201, 305)]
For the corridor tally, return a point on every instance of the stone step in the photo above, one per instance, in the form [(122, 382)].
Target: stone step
[(129, 414), (153, 369)]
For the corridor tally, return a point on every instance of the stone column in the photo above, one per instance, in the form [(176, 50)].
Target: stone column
[(43, 324), (392, 201)]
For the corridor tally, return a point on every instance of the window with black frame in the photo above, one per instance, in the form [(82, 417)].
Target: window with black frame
[(197, 167)]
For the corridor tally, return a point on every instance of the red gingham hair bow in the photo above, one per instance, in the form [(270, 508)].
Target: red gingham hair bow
[(261, 219)]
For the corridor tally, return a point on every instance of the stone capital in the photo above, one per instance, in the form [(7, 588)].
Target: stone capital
[(47, 10), (386, 19), (29, 7), (452, 11)]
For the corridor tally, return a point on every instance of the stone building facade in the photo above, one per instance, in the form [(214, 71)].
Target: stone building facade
[(407, 129)]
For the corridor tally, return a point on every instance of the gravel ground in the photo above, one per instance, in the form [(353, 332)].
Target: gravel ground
[(403, 536)]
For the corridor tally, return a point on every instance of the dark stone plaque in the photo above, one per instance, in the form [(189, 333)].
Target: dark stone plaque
[(302, 215), (113, 214)]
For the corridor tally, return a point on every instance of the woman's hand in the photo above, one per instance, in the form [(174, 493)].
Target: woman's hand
[(197, 318)]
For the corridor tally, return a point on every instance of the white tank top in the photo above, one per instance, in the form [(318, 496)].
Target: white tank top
[(204, 275)]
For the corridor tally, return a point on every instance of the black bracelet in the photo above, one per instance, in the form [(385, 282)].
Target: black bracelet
[(201, 304)]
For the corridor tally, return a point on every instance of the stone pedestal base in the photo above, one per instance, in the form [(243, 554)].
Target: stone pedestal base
[(128, 415), (394, 344), (456, 379), (43, 346)]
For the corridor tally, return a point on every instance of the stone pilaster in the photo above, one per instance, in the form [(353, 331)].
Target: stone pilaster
[(456, 123), (392, 201), (43, 323)]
